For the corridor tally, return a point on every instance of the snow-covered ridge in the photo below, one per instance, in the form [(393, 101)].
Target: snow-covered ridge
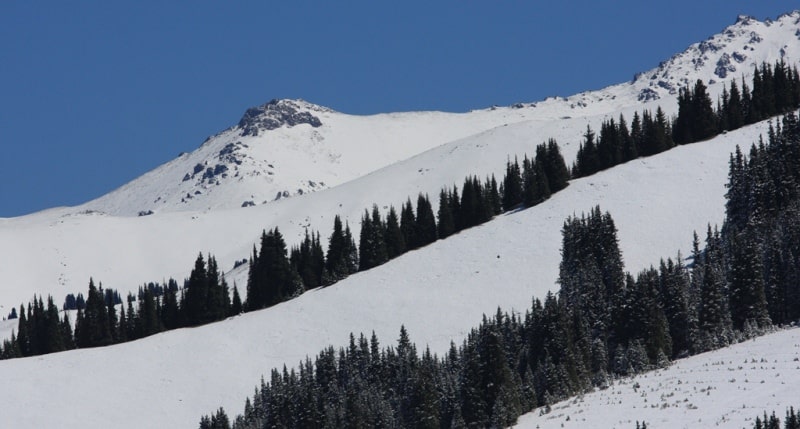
[(731, 54), (292, 147)]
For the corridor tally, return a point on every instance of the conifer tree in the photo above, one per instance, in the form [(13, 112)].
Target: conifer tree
[(236, 304), (512, 186), (408, 225), (554, 166), (197, 291), (395, 243), (426, 221), (446, 225), (747, 297)]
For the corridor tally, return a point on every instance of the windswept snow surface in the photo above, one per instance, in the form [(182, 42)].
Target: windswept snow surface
[(438, 292), (726, 388)]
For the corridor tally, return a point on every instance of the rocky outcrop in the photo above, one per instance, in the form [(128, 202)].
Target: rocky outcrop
[(276, 114)]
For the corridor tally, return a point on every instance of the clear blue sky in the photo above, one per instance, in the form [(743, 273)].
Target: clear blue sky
[(94, 94)]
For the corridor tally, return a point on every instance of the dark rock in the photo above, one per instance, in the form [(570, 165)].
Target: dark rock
[(724, 66), (275, 114), (648, 94)]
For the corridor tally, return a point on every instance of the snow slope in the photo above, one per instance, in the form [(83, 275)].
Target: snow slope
[(726, 388), (288, 146), (438, 292)]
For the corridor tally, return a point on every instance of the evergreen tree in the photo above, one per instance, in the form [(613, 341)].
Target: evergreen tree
[(197, 291), (446, 225), (271, 278), (236, 304), (395, 242), (372, 245), (512, 186), (426, 221), (747, 297), (408, 225)]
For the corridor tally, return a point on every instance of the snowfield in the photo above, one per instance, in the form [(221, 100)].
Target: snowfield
[(726, 388), (438, 292)]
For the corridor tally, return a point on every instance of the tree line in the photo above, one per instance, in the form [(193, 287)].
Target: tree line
[(792, 421), (277, 274), (775, 91), (604, 323), (274, 276)]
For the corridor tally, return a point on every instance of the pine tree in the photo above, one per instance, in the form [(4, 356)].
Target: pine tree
[(271, 278), (197, 291), (446, 225), (236, 304), (512, 186), (747, 297), (408, 225), (395, 243), (554, 166), (372, 245), (426, 221)]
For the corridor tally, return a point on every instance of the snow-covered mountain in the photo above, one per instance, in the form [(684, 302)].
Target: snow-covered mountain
[(287, 147), (350, 162), (290, 147)]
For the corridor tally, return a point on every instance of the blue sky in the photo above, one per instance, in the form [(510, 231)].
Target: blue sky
[(94, 94)]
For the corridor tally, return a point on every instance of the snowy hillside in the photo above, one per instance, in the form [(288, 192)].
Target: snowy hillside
[(290, 147), (218, 199), (509, 260), (726, 388), (286, 146)]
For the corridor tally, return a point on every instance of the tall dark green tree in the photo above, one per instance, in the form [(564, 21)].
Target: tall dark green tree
[(395, 242), (426, 221)]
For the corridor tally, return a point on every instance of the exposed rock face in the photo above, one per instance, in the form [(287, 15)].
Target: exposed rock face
[(276, 114)]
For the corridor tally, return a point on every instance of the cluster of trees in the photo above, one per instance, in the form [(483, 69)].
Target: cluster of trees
[(538, 178), (776, 90), (792, 421), (648, 135), (103, 320), (41, 330), (603, 323)]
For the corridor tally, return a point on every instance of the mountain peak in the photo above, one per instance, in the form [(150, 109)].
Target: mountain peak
[(745, 20), (279, 112), (727, 55)]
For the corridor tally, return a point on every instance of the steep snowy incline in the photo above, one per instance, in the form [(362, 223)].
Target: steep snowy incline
[(726, 388), (438, 292)]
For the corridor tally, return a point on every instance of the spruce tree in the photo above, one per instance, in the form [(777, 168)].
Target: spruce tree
[(426, 221), (747, 297), (408, 225), (446, 225), (395, 243), (512, 186)]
